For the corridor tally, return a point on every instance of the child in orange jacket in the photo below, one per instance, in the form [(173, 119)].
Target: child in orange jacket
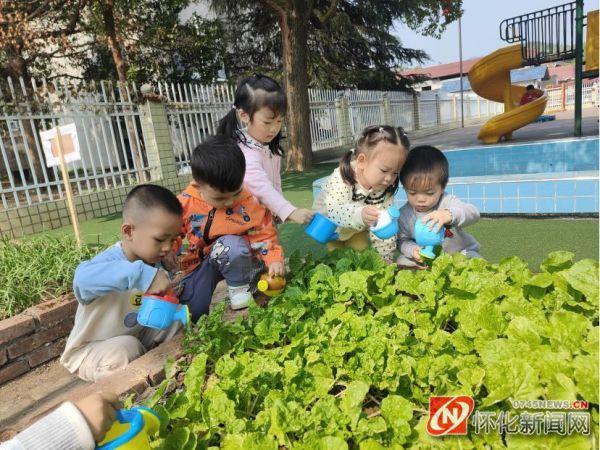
[(230, 234)]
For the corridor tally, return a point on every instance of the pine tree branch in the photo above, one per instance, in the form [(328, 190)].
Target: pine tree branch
[(41, 9), (71, 27), (321, 18), (276, 6)]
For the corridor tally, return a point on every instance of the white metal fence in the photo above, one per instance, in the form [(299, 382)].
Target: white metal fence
[(336, 117), (325, 127), (113, 148), (194, 111), (108, 127), (563, 97)]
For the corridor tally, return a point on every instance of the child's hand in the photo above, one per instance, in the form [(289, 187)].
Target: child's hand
[(416, 254), (161, 283), (276, 269), (170, 262), (301, 215), (370, 214), (100, 411), (437, 219)]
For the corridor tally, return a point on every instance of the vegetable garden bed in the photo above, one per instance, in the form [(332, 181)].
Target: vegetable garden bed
[(349, 355)]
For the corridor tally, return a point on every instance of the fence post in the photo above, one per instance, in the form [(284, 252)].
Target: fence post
[(342, 110), (454, 112), (438, 110), (564, 96), (387, 110), (157, 136), (478, 108), (416, 114)]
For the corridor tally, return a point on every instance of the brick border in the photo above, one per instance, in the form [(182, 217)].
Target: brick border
[(35, 336), (145, 372)]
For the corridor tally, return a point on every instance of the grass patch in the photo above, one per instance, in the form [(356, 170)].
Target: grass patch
[(36, 269)]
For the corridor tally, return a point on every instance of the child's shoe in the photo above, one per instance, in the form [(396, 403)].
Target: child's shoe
[(239, 296)]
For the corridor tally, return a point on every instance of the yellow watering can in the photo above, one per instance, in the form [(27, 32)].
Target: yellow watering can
[(271, 286), (131, 430)]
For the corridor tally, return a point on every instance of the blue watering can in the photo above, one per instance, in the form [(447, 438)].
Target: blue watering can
[(160, 312), (321, 229), (387, 223), (426, 238)]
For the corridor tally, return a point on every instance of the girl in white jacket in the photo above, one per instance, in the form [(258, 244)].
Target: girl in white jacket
[(363, 186)]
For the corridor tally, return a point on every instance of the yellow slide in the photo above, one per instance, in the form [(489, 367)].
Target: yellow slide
[(490, 79)]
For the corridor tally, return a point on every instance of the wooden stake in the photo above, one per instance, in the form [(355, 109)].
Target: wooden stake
[(65, 176)]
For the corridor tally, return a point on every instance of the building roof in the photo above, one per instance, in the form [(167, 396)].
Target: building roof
[(516, 76), (529, 74), (562, 73), (448, 70)]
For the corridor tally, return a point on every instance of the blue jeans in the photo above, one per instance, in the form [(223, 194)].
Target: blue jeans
[(231, 259)]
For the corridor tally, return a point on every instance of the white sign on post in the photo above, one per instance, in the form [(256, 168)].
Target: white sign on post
[(69, 144), (60, 146)]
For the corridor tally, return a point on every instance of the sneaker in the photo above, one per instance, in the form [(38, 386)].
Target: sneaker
[(239, 296)]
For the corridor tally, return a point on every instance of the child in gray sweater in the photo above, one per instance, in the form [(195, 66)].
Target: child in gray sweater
[(424, 177)]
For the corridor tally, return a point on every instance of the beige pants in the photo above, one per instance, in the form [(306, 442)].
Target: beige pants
[(358, 242), (106, 357)]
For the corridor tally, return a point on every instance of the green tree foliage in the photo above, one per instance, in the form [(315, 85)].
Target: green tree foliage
[(155, 44), (355, 47)]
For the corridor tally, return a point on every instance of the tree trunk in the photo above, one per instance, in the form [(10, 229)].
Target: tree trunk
[(114, 45), (108, 15), (16, 68), (294, 35)]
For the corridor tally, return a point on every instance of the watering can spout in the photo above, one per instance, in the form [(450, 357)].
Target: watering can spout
[(182, 315)]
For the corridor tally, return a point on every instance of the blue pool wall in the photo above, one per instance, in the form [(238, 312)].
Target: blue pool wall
[(547, 177)]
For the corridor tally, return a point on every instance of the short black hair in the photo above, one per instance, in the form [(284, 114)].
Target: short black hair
[(219, 162), (425, 166), (530, 87), (149, 196)]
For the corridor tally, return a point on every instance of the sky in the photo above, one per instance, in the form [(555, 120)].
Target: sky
[(480, 28)]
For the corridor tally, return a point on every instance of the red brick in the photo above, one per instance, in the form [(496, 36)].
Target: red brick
[(46, 353), (53, 311), (13, 370), (15, 327), (29, 343), (125, 381), (3, 357)]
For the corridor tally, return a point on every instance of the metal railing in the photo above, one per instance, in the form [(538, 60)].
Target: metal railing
[(545, 36), (194, 111), (108, 127), (562, 97)]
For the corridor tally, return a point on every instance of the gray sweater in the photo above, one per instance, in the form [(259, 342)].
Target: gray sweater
[(463, 215)]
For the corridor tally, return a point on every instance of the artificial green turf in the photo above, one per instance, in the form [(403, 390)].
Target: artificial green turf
[(530, 239)]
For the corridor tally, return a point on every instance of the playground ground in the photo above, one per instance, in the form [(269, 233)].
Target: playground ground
[(560, 128)]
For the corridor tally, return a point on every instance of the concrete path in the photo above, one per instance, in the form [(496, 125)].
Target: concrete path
[(562, 127)]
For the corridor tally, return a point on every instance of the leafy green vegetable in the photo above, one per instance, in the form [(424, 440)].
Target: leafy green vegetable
[(349, 354)]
